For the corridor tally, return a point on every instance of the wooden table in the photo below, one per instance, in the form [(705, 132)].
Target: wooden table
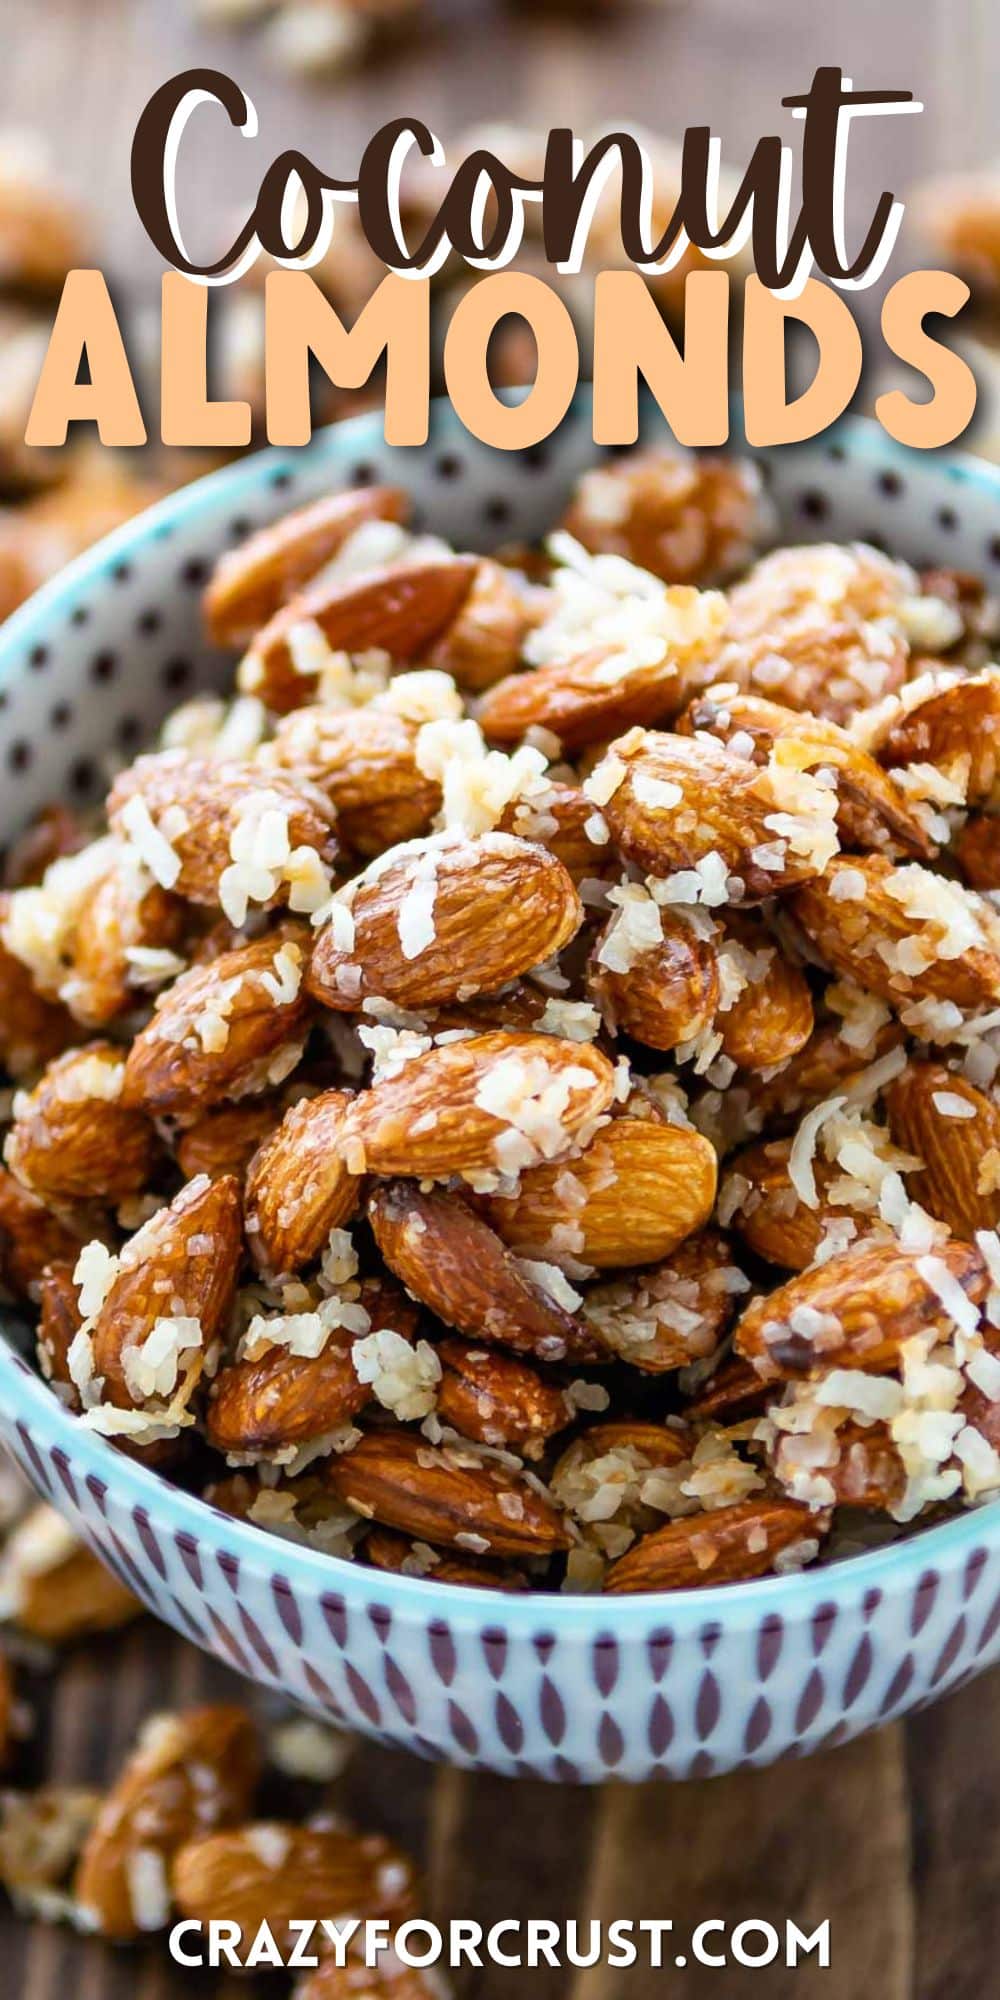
[(893, 1838)]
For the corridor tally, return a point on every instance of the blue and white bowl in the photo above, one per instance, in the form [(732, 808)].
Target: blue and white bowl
[(561, 1687)]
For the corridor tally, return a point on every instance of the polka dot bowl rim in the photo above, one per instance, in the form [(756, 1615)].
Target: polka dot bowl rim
[(877, 1595)]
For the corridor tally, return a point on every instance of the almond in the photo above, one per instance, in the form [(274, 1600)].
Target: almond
[(855, 1311), (824, 1066), (386, 1550), (867, 921), (401, 609), (957, 729), (32, 1237), (287, 1399), (681, 800), (274, 1872), (364, 761), (666, 995), (583, 701), (55, 1589), (672, 1314), (976, 851), (772, 1220), (771, 1018), (228, 1029), (187, 1774), (870, 807), (446, 922), (498, 1399), (955, 1130), (449, 1496), (866, 1471), (483, 641), (224, 1141), (59, 1322), (729, 1545), (182, 1264), (495, 1102), (630, 1197), (74, 1138), (250, 583), (298, 1186), (120, 915), (688, 518), (197, 807), (33, 1029), (41, 1834), (451, 1260), (603, 1478), (563, 820), (733, 1392), (819, 628)]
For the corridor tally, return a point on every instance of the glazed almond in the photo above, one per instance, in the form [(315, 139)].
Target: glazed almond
[(251, 582), (298, 1185), (451, 1260), (275, 1872), (401, 609), (445, 921), (31, 1237), (498, 1399), (672, 1313), (662, 995), (903, 933), (447, 1496), (74, 1137), (202, 826), (493, 1103), (856, 1310), (364, 761), (231, 1028), (954, 1129), (483, 641), (630, 1197), (189, 1773), (729, 1545)]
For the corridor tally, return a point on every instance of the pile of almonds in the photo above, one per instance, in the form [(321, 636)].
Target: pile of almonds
[(510, 1096), (177, 1837)]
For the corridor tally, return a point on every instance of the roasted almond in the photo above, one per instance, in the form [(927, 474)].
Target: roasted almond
[(955, 1130), (231, 1028), (182, 1265), (728, 1545), (688, 518), (283, 1398), (401, 609), (563, 820), (677, 803), (449, 1496), (769, 1215), (126, 933), (584, 700), (903, 933), (272, 1871), (364, 761), (74, 1138), (251, 582), (386, 1550), (819, 628), (188, 1773), (494, 1103), (673, 1313), (298, 1186), (444, 922), (957, 729), (663, 994), (856, 1310), (824, 1066), (224, 1141), (870, 806), (55, 1588), (976, 851), (765, 1013), (31, 1237), (733, 1392), (498, 1399), (452, 1261), (33, 1028), (630, 1197), (483, 641), (185, 815)]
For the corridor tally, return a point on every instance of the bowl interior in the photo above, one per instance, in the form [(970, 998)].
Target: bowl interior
[(91, 665)]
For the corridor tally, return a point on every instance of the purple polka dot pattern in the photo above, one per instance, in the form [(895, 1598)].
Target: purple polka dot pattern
[(577, 1689)]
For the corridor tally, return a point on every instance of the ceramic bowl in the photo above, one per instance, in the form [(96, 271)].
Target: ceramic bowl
[(559, 1687)]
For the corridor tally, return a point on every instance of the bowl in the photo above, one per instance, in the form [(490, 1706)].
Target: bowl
[(567, 1688)]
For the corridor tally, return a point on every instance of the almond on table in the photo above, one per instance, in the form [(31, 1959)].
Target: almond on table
[(510, 1094)]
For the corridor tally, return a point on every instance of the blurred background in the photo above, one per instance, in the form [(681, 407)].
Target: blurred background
[(892, 1838)]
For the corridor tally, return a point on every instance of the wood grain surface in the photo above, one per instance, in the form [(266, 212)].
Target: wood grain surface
[(893, 1838)]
